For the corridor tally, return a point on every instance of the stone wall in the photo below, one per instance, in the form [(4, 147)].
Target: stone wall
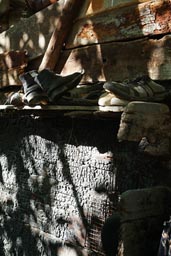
[(60, 180)]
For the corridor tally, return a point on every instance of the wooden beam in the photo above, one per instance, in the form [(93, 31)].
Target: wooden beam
[(93, 6), (130, 22), (120, 60), (65, 22)]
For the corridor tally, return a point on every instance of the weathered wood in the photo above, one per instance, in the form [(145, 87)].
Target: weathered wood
[(135, 21), (92, 6), (41, 108), (64, 25), (13, 59), (12, 64), (120, 60), (32, 34)]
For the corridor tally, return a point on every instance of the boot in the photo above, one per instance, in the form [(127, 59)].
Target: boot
[(33, 94), (56, 85)]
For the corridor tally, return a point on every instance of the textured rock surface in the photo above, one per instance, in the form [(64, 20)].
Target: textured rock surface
[(143, 212), (150, 124), (59, 181)]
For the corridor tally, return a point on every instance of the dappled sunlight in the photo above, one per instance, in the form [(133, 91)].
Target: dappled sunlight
[(31, 34), (8, 173), (40, 17), (87, 34), (147, 20), (55, 204), (155, 63), (87, 59), (42, 41), (4, 43)]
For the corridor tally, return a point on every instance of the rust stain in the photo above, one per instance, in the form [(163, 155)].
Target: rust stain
[(87, 31), (163, 16), (107, 27), (153, 18), (97, 5)]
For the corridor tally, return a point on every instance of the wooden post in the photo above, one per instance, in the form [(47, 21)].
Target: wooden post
[(64, 25)]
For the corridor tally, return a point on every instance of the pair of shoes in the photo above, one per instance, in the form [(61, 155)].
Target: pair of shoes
[(140, 89), (40, 88), (109, 99)]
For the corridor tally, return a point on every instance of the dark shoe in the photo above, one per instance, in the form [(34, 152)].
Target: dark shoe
[(86, 91), (16, 99), (33, 93), (140, 89), (37, 5), (56, 85)]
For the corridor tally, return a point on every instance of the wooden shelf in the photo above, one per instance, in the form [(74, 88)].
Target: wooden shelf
[(61, 108), (72, 111)]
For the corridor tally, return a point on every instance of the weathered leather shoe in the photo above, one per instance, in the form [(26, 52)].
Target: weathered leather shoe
[(33, 93), (56, 85)]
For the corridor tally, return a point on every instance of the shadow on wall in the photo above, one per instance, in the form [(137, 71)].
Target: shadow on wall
[(48, 196), (119, 43), (60, 180), (32, 36)]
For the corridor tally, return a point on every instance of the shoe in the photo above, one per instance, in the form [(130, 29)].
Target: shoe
[(15, 99), (140, 89), (33, 93), (109, 99), (37, 5), (56, 85), (87, 91)]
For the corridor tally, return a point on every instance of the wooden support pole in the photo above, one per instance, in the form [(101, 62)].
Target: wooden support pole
[(66, 18)]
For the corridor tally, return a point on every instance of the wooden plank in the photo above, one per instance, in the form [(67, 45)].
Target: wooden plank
[(120, 60), (66, 18), (135, 21), (93, 6), (63, 107)]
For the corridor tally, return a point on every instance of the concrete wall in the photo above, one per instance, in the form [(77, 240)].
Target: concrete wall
[(59, 181)]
